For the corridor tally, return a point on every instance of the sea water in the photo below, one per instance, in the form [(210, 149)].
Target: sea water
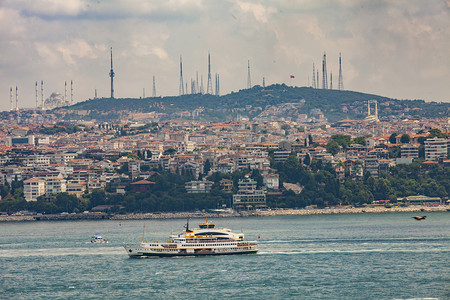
[(364, 256)]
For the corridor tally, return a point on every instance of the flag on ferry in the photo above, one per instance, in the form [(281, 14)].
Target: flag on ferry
[(292, 76)]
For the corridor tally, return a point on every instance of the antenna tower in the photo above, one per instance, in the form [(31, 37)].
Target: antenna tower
[(341, 79), (331, 80), (217, 93), (317, 82), (42, 94), (95, 94), (65, 92), (111, 74), (10, 99), (202, 89), (71, 92), (209, 86), (181, 91), (154, 87), (36, 90), (314, 77), (17, 98), (197, 87), (249, 79), (264, 82), (324, 72)]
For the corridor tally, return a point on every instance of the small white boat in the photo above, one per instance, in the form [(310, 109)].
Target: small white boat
[(98, 239)]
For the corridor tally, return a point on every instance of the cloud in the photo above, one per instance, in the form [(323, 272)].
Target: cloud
[(48, 7), (260, 12), (393, 48)]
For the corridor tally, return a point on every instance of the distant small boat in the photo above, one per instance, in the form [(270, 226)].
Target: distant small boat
[(98, 239), (420, 218)]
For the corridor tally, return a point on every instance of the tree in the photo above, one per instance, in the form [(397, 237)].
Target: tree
[(343, 140), (361, 140), (307, 160), (393, 138), (405, 138), (333, 147), (97, 197), (206, 167), (170, 151), (435, 133)]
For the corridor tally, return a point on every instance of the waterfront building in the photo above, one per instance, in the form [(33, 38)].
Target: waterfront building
[(271, 181), (248, 197), (199, 186), (33, 188), (55, 186)]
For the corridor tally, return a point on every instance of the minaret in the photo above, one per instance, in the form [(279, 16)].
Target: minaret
[(209, 86), (71, 92), (249, 79), (154, 87), (111, 74), (65, 93), (376, 110), (181, 78), (264, 82), (95, 94), (341, 79)]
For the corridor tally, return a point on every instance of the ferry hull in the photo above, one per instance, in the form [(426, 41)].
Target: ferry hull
[(133, 253)]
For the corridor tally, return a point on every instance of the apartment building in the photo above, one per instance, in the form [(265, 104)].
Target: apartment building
[(435, 148), (33, 188), (248, 197)]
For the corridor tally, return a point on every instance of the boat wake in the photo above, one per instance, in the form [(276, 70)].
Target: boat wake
[(338, 251), (61, 252)]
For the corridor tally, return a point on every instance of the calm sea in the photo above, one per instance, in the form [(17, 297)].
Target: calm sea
[(366, 256)]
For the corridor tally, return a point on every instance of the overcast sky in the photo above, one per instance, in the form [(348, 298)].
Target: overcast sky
[(398, 49)]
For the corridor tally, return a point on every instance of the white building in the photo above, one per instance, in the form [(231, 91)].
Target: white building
[(33, 188), (435, 148), (271, 181), (200, 186), (55, 186)]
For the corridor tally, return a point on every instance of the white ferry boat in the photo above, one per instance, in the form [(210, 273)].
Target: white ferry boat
[(205, 240)]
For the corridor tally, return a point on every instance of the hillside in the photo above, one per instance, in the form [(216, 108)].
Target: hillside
[(257, 104)]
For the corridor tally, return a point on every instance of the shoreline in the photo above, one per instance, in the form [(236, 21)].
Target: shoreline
[(261, 213)]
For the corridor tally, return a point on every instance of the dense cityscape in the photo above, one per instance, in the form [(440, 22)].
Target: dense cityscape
[(150, 165)]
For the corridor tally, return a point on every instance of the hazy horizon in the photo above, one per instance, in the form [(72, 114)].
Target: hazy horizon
[(394, 49)]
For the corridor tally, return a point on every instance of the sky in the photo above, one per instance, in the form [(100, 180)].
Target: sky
[(397, 49)]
